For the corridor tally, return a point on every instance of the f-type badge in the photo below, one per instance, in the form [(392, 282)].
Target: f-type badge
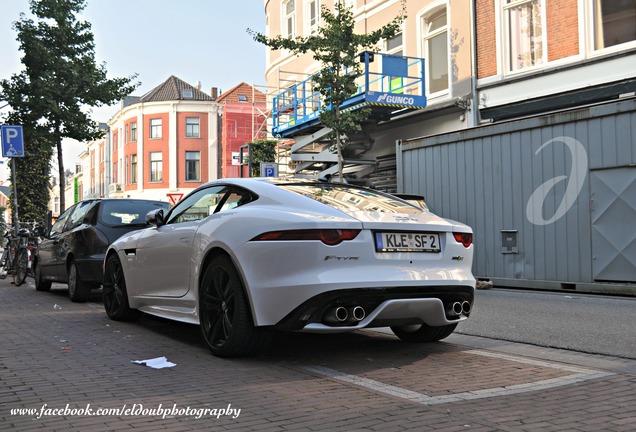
[(341, 258)]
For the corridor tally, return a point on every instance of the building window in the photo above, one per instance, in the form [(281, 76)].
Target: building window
[(155, 128), (289, 19), (242, 98), (192, 127), (193, 166), (312, 16), (133, 131), (114, 172), (133, 169), (156, 167), (435, 44), (394, 46), (524, 33), (614, 22)]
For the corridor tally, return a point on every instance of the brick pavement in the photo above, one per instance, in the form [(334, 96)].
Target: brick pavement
[(74, 355)]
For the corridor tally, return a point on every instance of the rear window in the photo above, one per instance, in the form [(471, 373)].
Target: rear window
[(350, 198), (127, 212)]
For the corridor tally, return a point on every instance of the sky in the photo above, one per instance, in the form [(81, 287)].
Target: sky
[(195, 40)]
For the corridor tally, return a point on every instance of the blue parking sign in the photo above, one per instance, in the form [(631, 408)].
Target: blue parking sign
[(269, 169), (12, 141)]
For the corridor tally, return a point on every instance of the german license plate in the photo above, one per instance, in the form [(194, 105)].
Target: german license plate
[(406, 242)]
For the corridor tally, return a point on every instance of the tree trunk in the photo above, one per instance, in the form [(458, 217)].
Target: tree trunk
[(60, 164)]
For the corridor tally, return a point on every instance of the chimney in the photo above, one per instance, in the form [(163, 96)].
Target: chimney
[(214, 93)]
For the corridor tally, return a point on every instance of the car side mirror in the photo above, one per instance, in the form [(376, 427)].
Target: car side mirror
[(155, 217)]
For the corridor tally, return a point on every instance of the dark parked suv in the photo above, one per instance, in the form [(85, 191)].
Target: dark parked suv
[(73, 251)]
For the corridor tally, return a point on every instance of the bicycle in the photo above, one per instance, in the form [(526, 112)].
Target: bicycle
[(16, 258)]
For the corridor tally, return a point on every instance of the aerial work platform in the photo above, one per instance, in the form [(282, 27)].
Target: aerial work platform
[(388, 84)]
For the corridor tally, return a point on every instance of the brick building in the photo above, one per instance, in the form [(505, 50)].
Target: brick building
[(171, 140), (244, 120)]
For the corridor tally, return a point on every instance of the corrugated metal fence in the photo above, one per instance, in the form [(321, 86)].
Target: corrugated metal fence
[(551, 199)]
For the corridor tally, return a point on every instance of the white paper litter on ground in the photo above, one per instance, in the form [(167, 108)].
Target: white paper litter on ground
[(155, 363)]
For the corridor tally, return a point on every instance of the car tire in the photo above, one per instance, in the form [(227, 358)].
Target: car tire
[(40, 284), (224, 314), (78, 290), (21, 266), (423, 332), (115, 292)]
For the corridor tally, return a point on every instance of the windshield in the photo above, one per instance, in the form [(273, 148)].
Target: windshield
[(350, 198)]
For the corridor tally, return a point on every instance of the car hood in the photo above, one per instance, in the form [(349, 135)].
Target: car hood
[(423, 221)]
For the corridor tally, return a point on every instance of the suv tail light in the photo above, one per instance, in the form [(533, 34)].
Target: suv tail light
[(330, 237), (464, 238)]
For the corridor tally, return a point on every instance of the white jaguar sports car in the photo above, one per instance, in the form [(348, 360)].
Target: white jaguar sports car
[(243, 257)]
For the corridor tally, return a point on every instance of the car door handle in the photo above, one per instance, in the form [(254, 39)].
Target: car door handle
[(184, 240)]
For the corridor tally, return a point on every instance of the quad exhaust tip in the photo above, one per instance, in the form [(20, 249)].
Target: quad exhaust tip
[(336, 315), (466, 308), (459, 308), (341, 314), (358, 313)]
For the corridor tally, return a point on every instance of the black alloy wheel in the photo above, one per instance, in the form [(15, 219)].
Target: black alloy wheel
[(224, 314), (115, 293)]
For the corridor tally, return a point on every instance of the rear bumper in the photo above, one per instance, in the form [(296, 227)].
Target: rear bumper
[(91, 270), (382, 307), (395, 312)]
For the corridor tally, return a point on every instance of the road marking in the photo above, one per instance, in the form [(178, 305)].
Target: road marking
[(578, 375)]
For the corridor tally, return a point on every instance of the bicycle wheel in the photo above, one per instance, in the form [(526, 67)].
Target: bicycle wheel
[(21, 266), (3, 264)]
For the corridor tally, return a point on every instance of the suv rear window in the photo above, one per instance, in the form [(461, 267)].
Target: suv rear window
[(128, 212), (351, 198)]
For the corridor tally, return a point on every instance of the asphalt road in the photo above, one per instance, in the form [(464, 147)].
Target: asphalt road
[(585, 323)]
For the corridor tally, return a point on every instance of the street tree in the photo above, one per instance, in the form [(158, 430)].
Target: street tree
[(32, 172), (61, 80), (336, 47), (261, 151)]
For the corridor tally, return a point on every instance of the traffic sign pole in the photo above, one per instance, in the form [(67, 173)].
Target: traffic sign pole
[(13, 147), (16, 219)]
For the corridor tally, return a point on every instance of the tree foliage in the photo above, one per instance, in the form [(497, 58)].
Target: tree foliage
[(32, 183), (262, 151), (33, 171), (61, 80), (337, 47)]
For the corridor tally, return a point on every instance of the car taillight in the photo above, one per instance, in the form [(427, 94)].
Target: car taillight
[(329, 237), (464, 238)]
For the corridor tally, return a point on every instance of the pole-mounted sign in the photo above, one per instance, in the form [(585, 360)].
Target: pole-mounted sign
[(13, 147), (12, 141)]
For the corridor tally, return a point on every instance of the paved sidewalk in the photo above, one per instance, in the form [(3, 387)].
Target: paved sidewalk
[(66, 360)]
